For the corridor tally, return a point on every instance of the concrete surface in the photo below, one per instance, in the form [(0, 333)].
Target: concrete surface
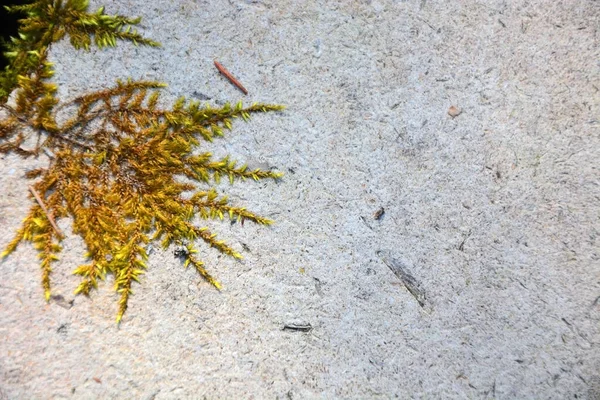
[(494, 212)]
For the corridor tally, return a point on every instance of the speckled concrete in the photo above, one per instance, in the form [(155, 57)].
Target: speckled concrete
[(494, 212)]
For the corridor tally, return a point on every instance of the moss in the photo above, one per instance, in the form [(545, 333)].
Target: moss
[(115, 165)]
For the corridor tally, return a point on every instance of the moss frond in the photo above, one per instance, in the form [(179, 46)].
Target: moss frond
[(49, 21), (36, 228), (12, 246), (199, 265), (118, 160)]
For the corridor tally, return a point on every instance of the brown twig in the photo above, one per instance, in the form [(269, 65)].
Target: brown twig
[(48, 215), (228, 75)]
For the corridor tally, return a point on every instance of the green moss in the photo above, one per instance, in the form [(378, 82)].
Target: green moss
[(115, 165)]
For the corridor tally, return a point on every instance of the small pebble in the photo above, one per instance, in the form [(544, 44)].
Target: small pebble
[(454, 111), (317, 46)]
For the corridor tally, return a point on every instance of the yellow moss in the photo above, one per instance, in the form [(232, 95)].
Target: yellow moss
[(116, 162)]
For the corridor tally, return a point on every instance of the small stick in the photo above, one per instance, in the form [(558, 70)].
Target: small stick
[(228, 75), (41, 203)]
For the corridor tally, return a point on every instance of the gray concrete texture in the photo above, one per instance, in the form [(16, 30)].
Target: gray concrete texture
[(491, 214)]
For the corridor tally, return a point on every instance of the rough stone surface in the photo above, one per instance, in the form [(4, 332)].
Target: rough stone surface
[(494, 212)]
